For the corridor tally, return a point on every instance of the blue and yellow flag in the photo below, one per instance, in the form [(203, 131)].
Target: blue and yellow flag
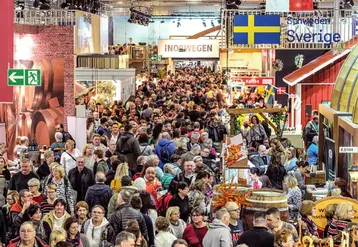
[(270, 94), (257, 29)]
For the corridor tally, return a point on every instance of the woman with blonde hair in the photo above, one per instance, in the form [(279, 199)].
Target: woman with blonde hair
[(291, 162), (343, 216), (57, 236), (69, 157), (176, 225), (63, 186), (294, 196), (88, 155)]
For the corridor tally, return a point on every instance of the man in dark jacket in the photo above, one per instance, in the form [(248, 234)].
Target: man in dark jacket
[(81, 178), (126, 212), (258, 236), (128, 145), (100, 193)]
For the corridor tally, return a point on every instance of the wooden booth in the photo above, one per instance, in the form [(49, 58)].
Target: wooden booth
[(342, 115)]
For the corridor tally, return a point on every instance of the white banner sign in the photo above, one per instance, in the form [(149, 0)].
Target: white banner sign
[(188, 48), (348, 150)]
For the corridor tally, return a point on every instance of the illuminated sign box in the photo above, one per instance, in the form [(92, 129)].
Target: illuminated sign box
[(188, 48)]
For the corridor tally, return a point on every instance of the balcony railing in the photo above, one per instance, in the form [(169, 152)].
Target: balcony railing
[(45, 17), (344, 22)]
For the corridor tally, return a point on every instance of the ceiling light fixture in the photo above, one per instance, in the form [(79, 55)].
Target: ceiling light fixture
[(204, 23)]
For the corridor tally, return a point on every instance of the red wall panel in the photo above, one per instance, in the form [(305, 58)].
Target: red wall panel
[(6, 48), (315, 94)]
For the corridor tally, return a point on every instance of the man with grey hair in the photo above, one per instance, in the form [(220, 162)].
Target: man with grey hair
[(189, 156), (261, 160), (258, 235), (125, 212), (219, 232), (125, 239), (165, 149), (194, 139), (58, 147), (100, 193)]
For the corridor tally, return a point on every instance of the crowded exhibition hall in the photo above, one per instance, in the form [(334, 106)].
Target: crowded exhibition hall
[(179, 123)]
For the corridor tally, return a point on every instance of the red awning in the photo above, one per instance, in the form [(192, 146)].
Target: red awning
[(319, 63)]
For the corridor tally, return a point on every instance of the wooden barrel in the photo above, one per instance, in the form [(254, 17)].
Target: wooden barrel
[(345, 83), (261, 201), (52, 86), (43, 125)]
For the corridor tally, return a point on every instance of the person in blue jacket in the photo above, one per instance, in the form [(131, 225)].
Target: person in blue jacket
[(312, 152), (165, 149)]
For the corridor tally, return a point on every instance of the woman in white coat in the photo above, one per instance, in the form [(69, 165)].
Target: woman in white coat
[(163, 238)]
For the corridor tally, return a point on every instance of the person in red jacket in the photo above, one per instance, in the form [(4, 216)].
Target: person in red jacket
[(195, 232), (27, 237)]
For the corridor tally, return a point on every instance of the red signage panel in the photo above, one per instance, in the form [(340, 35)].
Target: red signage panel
[(6, 49), (254, 81)]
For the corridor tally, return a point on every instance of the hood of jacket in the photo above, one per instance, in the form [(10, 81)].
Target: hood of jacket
[(16, 207), (104, 223), (132, 189), (126, 136), (217, 224), (163, 142), (99, 189)]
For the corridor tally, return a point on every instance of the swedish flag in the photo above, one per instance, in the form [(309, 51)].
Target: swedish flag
[(257, 29), (270, 94)]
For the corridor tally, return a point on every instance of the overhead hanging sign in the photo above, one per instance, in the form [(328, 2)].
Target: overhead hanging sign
[(254, 81), (188, 48)]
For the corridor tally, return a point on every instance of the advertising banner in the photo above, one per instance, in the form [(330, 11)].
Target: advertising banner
[(320, 218), (188, 48), (254, 81)]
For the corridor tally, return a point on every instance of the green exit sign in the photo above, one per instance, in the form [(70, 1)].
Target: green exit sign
[(24, 77)]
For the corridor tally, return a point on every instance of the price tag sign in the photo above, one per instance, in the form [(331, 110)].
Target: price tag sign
[(348, 150)]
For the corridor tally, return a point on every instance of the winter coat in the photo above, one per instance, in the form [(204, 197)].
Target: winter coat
[(98, 194), (49, 220), (276, 176), (108, 236), (87, 180), (183, 205), (164, 239), (145, 149), (123, 214), (257, 237), (128, 145), (38, 242), (219, 235), (63, 191), (113, 201), (43, 171), (100, 166), (164, 143)]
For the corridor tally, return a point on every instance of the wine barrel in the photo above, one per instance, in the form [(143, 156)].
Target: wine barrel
[(261, 201), (26, 121), (343, 91), (52, 86), (43, 124)]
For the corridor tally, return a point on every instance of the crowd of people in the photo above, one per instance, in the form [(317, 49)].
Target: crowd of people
[(147, 174)]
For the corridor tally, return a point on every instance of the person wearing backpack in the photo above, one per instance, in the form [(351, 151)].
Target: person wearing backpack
[(128, 145), (58, 147), (165, 149)]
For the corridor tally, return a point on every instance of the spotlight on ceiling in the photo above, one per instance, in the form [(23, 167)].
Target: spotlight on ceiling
[(204, 23), (178, 23), (212, 23)]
